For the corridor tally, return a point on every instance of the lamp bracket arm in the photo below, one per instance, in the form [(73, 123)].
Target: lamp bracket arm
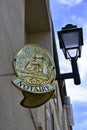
[(64, 76)]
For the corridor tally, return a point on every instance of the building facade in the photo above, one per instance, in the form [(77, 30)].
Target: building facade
[(24, 22)]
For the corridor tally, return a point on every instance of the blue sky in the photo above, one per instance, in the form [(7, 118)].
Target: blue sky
[(73, 12)]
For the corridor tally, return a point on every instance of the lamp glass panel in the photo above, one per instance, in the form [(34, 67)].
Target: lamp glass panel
[(72, 53), (71, 39)]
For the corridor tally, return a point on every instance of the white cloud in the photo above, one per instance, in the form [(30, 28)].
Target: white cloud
[(83, 62), (81, 126), (77, 19), (76, 93), (70, 2)]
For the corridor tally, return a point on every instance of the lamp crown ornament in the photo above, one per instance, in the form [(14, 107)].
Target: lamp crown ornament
[(69, 26)]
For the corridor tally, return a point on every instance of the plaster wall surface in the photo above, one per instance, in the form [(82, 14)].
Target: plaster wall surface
[(12, 115)]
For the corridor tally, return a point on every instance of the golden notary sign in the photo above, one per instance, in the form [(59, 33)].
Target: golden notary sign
[(35, 75)]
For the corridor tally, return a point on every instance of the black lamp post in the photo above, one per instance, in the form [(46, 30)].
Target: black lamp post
[(71, 41)]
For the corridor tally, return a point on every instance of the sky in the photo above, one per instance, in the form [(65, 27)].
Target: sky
[(73, 12)]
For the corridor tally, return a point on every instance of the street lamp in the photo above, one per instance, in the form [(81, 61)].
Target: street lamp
[(71, 41)]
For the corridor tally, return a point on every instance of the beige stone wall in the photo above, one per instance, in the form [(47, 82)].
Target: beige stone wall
[(42, 38), (12, 115)]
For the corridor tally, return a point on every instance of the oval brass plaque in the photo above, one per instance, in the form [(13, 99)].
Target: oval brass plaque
[(35, 74)]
